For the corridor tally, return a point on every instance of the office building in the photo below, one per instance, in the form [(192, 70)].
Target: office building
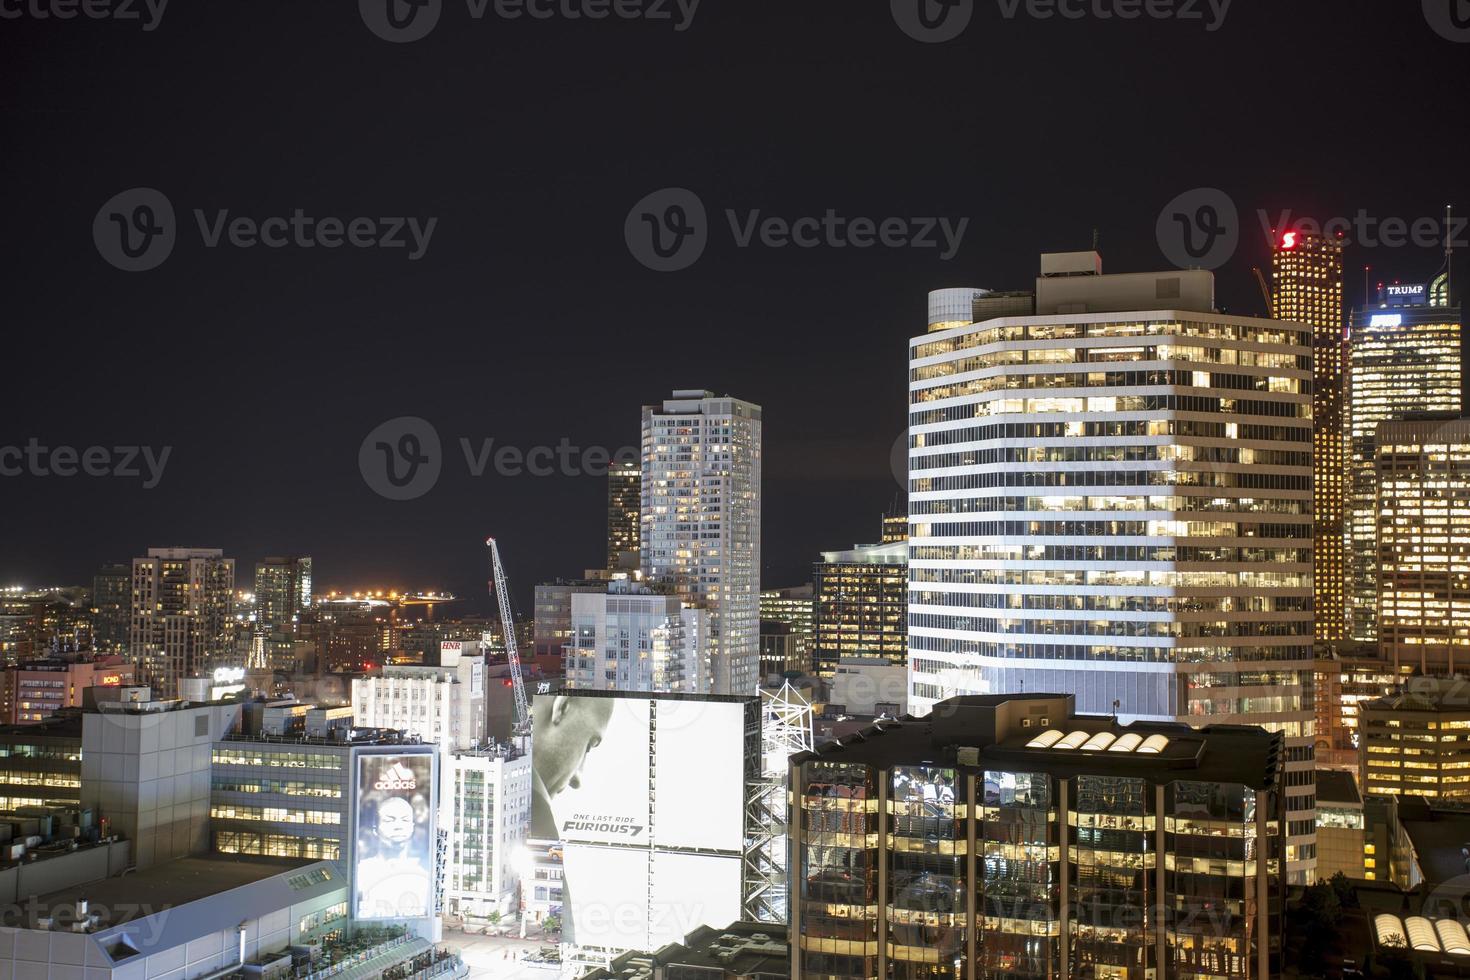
[(631, 638), (1007, 836), (112, 608), (795, 607), (624, 498), (1343, 842), (1308, 289), (700, 527), (1112, 497), (41, 764), (182, 609), (282, 598), (490, 791), (1346, 679), (1416, 742), (863, 687), (895, 528), (1423, 557), (781, 650), (1404, 358), (861, 606), (35, 690)]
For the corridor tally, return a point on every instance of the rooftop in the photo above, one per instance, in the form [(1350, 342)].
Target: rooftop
[(1336, 786), (743, 949), (129, 897), (1016, 732)]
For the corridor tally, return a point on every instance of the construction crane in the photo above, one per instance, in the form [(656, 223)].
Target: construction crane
[(1265, 292), (522, 725)]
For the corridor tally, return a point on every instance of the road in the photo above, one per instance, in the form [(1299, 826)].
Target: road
[(500, 957)]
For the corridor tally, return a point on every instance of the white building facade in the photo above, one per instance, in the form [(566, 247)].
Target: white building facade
[(1112, 498), (701, 522), (631, 638), (492, 814)]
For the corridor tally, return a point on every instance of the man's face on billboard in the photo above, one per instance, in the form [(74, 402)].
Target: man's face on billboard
[(572, 728), (395, 821)]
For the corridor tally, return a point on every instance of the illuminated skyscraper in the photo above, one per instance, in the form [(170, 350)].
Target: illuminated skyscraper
[(701, 522), (1404, 358), (624, 481), (1112, 497), (182, 604), (861, 603), (1307, 275), (1423, 566)]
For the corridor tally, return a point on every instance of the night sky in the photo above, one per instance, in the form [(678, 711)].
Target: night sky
[(528, 320)]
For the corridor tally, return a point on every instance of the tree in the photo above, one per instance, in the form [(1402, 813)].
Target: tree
[(552, 923)]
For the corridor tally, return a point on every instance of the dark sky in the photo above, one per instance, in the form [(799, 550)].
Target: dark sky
[(528, 320)]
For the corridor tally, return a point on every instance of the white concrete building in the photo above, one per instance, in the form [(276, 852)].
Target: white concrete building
[(631, 638), (491, 813), (701, 522), (443, 704), (1111, 498)]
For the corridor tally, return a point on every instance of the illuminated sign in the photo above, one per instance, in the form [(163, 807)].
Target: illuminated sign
[(1288, 240), (109, 680), (1412, 294), (451, 646), (229, 675), (393, 860), (1387, 320)]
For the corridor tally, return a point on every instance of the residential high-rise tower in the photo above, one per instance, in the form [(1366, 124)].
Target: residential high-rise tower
[(182, 604), (701, 522)]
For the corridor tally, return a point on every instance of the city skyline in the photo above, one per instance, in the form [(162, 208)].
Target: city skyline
[(463, 337)]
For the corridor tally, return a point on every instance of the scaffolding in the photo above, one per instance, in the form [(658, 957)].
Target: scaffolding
[(786, 729)]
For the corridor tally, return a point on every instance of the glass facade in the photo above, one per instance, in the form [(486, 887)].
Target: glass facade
[(1423, 566), (1402, 361), (861, 603), (279, 800), (1095, 875)]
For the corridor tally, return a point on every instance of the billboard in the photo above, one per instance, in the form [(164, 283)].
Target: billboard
[(393, 860), (646, 794)]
